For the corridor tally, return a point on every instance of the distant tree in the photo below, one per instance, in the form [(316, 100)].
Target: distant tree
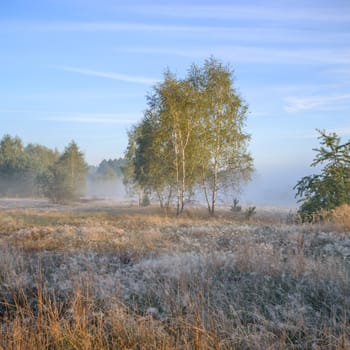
[(14, 166), (65, 180), (330, 188), (105, 171), (40, 158), (109, 169)]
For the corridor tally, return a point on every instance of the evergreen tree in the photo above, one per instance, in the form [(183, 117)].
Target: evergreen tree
[(330, 188), (65, 180)]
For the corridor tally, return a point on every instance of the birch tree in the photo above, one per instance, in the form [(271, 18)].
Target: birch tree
[(177, 122), (222, 156), (192, 133)]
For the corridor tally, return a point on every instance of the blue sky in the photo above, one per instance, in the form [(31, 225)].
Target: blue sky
[(74, 69)]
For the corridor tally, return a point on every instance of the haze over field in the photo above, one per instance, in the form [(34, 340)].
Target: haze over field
[(81, 70)]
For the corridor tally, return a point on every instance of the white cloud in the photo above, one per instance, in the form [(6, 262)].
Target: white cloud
[(298, 104), (108, 75)]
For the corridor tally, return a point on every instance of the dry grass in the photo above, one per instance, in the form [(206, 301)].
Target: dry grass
[(109, 279), (341, 216)]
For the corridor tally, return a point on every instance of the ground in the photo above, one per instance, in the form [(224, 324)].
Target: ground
[(106, 275)]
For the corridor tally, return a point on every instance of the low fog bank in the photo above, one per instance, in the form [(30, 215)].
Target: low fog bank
[(112, 189), (274, 187), (269, 188)]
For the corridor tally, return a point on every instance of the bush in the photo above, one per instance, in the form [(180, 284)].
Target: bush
[(235, 208), (249, 212)]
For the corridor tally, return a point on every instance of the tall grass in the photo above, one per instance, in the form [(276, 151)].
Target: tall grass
[(102, 281)]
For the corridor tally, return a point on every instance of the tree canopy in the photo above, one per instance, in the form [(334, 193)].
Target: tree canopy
[(331, 188), (65, 180), (20, 166), (192, 135), (34, 170)]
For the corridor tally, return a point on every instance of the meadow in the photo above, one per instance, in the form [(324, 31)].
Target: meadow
[(95, 276)]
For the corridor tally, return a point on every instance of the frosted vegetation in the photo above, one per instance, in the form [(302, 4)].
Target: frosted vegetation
[(123, 278)]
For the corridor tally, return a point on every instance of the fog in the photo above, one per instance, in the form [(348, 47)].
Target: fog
[(106, 189), (268, 187), (273, 186), (13, 188)]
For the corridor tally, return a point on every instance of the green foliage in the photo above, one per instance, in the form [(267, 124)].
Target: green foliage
[(150, 157), (14, 165), (107, 170), (223, 159), (21, 166), (331, 188), (65, 179), (249, 212), (40, 158), (13, 159), (191, 135)]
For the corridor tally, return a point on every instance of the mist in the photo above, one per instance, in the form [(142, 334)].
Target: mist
[(273, 186), (270, 187), (112, 189)]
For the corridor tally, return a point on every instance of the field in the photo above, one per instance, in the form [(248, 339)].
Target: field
[(102, 276)]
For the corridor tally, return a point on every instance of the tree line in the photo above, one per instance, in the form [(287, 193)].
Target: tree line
[(35, 170), (191, 138), (107, 170)]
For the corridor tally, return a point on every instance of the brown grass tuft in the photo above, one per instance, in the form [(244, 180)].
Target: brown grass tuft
[(341, 216)]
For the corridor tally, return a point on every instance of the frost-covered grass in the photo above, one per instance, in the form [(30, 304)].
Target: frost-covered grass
[(117, 280)]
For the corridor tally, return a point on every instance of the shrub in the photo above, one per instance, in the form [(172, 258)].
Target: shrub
[(250, 212), (235, 208)]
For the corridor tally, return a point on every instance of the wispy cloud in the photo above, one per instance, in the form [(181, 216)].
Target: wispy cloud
[(258, 32), (254, 54), (109, 75), (238, 12), (319, 103), (98, 118), (103, 26)]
